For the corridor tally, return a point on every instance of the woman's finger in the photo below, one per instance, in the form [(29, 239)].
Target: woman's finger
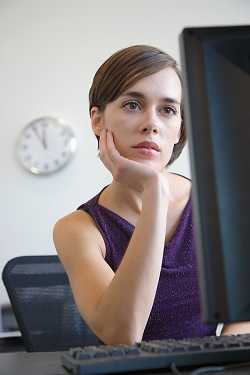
[(101, 142), (103, 151), (113, 153)]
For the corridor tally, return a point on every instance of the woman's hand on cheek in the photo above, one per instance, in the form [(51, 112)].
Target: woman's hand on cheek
[(125, 171)]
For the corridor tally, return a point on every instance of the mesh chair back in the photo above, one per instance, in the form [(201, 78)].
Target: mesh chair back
[(43, 304)]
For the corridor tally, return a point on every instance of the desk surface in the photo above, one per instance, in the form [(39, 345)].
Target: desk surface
[(22, 363)]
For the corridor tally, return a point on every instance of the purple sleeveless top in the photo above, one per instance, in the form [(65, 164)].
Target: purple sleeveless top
[(176, 308)]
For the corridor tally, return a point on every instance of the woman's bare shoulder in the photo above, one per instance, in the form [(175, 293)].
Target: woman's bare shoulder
[(78, 225)]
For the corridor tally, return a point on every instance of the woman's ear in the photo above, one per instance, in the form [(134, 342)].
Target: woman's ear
[(96, 120)]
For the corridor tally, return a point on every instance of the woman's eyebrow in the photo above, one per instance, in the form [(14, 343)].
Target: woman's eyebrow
[(171, 100), (139, 95), (134, 94)]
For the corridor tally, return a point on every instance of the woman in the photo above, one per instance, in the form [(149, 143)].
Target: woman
[(129, 251)]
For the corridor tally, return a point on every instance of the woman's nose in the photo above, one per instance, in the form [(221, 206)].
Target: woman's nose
[(149, 129), (150, 123)]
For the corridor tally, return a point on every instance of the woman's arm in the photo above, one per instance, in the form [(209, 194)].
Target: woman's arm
[(124, 308), (116, 306)]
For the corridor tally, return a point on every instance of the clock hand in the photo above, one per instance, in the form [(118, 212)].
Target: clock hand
[(41, 139), (44, 139)]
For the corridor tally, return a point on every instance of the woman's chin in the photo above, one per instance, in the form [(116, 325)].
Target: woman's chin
[(156, 165), (148, 160)]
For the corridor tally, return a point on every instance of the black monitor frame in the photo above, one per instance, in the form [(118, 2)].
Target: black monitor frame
[(216, 67)]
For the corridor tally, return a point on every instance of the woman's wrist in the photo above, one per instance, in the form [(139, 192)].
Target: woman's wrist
[(157, 183)]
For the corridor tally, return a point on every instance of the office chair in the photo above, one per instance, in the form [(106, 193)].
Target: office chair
[(43, 304)]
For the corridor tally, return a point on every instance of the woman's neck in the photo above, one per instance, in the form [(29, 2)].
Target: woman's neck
[(122, 197)]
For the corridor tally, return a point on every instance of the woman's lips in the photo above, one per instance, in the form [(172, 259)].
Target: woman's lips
[(148, 145), (148, 152)]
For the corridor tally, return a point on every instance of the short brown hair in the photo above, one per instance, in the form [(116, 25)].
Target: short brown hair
[(122, 70)]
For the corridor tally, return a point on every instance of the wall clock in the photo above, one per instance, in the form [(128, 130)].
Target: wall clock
[(46, 145)]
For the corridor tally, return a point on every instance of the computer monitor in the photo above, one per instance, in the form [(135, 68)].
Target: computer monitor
[(216, 66)]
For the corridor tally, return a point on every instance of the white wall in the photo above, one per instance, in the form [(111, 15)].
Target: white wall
[(49, 51)]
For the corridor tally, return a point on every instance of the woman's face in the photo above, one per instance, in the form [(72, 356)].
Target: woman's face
[(148, 111)]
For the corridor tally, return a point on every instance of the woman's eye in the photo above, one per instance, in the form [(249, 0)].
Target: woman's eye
[(170, 110), (132, 106)]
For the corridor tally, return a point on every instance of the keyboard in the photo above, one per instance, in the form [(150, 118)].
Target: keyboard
[(157, 354)]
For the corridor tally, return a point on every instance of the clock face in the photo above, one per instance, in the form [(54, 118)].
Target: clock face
[(45, 146)]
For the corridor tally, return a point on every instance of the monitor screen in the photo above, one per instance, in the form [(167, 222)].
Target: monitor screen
[(216, 67)]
